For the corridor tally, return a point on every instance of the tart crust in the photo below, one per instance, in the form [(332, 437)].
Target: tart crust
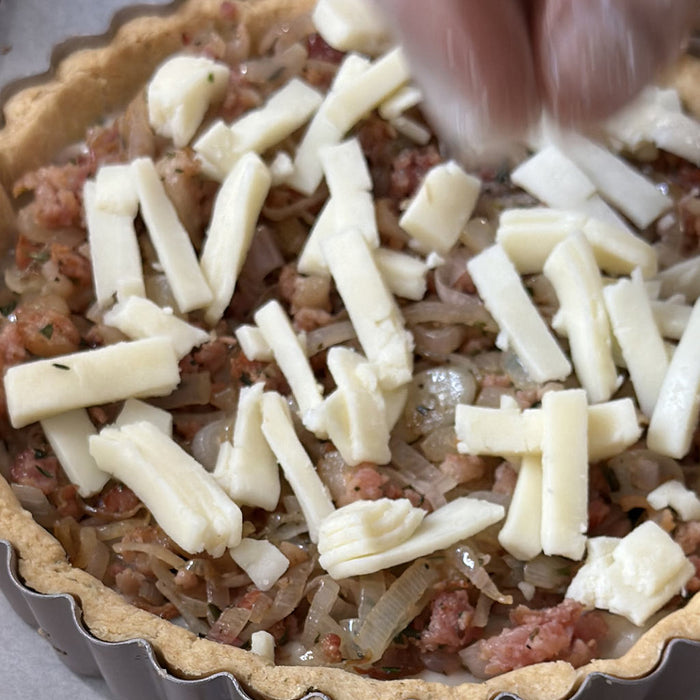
[(39, 122)]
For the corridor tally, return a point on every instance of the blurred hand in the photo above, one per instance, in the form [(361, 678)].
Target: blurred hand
[(488, 67)]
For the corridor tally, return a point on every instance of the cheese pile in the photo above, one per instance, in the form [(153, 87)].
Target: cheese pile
[(605, 278)]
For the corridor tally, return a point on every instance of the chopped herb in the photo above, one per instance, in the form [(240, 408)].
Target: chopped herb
[(534, 633), (58, 365), (391, 669), (246, 379), (7, 309), (210, 77), (48, 475), (179, 171), (214, 611), (170, 154), (318, 638), (47, 330), (40, 256), (39, 453)]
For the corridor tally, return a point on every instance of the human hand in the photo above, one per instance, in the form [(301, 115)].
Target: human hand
[(488, 67)]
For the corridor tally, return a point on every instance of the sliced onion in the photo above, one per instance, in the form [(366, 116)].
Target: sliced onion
[(325, 337), (193, 611), (93, 556), (425, 478), (482, 610), (206, 442), (548, 573), (448, 274), (278, 68), (473, 661), (437, 342), (433, 395), (470, 562), (404, 599), (155, 551), (471, 312), (34, 500), (321, 605), (232, 621), (298, 207), (194, 390)]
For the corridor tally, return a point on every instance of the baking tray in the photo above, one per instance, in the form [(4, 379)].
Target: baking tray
[(34, 36)]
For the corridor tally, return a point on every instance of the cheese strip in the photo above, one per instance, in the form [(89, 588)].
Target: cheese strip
[(137, 317), (572, 270), (253, 343), (114, 190), (179, 95), (521, 532), (278, 428), (623, 186), (362, 94), (619, 573), (676, 412), (682, 278), (554, 179), (412, 129), (261, 560), (529, 235), (284, 112), (455, 521), (405, 275), (355, 414), (289, 354), (170, 239), (43, 388), (262, 643), (321, 132), (656, 116), (671, 318), (401, 101), (674, 494), (639, 339), (505, 431), (350, 203), (183, 497), (114, 251), (136, 411), (371, 307), (68, 435), (366, 527), (351, 25), (230, 233), (246, 467), (564, 473), (497, 431), (441, 208), (524, 330)]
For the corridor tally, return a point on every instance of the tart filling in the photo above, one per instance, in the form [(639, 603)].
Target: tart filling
[(273, 363)]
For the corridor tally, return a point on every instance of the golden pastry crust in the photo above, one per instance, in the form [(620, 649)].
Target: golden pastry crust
[(38, 124)]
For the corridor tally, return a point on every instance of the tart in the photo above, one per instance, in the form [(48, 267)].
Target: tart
[(438, 474)]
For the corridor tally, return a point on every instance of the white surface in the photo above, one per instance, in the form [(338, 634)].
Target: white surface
[(30, 668)]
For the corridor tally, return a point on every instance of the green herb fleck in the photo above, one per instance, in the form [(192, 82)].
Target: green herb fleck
[(534, 633), (246, 379), (214, 611), (391, 669), (58, 365), (39, 453), (40, 256), (210, 77), (179, 171), (48, 475), (47, 330), (7, 309)]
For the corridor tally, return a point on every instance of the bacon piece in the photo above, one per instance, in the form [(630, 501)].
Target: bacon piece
[(408, 170), (463, 468), (543, 635), (45, 331), (450, 625), (36, 468), (57, 194)]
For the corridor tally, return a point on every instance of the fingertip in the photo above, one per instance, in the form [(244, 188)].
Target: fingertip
[(473, 61), (592, 57)]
